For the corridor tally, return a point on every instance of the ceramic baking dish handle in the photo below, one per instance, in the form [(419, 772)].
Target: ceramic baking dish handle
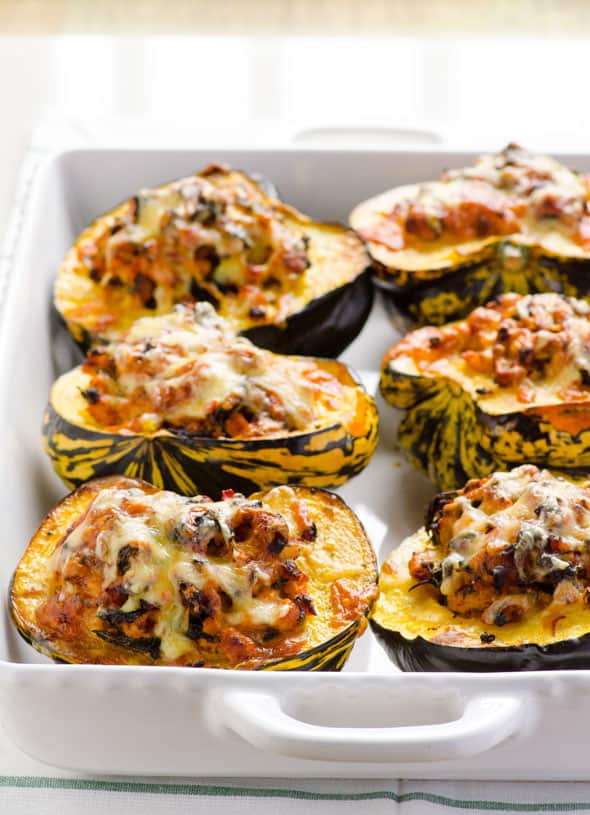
[(259, 719), (386, 136)]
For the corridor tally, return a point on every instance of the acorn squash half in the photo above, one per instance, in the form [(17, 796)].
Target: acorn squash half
[(511, 222), (285, 281), (508, 385), (498, 580), (121, 573), (185, 405)]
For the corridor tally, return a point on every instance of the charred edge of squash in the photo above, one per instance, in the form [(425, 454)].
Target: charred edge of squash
[(420, 654), (448, 436), (330, 655)]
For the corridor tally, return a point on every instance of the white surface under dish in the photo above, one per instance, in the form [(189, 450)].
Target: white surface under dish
[(369, 721)]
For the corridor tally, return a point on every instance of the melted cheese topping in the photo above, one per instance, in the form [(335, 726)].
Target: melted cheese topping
[(198, 229), (185, 579), (213, 236), (236, 231), (532, 350), (508, 543), (533, 199), (188, 369)]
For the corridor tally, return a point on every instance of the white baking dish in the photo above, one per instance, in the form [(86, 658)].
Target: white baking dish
[(371, 720)]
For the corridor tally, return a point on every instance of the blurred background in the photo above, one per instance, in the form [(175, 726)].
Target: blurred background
[(468, 73)]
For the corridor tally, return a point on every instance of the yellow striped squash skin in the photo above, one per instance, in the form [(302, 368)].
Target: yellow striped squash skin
[(338, 529), (448, 436), (438, 296), (330, 656), (191, 464)]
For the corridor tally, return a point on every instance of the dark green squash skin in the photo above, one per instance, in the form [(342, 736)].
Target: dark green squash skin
[(451, 439), (422, 655), (450, 297), (325, 327), (66, 353), (456, 291)]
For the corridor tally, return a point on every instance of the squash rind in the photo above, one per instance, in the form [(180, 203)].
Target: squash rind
[(450, 438), (325, 327), (191, 464), (421, 655), (440, 296)]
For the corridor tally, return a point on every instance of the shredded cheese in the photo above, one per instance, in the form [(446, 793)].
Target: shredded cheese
[(187, 369), (192, 570), (506, 534)]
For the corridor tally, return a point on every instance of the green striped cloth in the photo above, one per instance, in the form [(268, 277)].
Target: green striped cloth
[(72, 796)]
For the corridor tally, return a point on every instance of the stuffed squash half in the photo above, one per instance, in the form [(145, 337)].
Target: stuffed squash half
[(288, 283), (511, 222), (183, 403), (121, 573), (499, 579), (507, 386)]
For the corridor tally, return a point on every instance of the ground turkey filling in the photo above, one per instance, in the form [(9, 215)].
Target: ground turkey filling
[(509, 193), (188, 370), (516, 343), (201, 237), (505, 544), (183, 580)]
